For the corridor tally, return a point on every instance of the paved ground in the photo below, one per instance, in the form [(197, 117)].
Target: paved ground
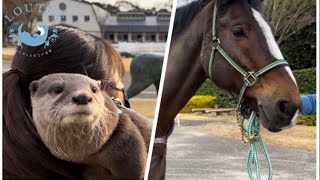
[(6, 65), (194, 155)]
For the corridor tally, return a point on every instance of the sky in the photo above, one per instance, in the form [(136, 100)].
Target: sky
[(141, 3)]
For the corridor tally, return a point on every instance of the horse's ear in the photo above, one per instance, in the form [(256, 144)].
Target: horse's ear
[(224, 2), (256, 4), (223, 5)]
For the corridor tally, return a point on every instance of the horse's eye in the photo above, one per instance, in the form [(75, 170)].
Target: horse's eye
[(238, 32), (58, 90), (94, 89)]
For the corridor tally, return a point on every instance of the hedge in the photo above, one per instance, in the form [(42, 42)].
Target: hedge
[(199, 102), (210, 89), (306, 79), (300, 48), (307, 120)]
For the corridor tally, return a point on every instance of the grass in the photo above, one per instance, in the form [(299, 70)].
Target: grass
[(8, 53), (127, 63), (145, 107), (7, 58), (298, 137)]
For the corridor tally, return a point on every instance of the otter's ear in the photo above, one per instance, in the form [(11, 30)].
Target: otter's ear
[(33, 87), (99, 84)]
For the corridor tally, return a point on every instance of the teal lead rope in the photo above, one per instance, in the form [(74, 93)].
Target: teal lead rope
[(254, 140)]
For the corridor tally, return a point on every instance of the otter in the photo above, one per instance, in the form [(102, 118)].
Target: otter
[(80, 123)]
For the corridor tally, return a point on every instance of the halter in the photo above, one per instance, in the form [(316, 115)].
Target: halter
[(251, 133), (249, 77)]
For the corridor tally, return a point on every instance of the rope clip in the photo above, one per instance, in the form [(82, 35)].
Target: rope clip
[(117, 101), (254, 137)]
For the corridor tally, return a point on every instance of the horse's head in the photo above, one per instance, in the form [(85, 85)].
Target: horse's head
[(247, 38)]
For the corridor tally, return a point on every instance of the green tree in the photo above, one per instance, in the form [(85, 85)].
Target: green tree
[(111, 9), (300, 48)]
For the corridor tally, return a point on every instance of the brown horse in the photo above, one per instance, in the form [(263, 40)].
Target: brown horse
[(247, 38)]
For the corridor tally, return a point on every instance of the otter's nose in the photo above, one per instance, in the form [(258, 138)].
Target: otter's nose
[(286, 109), (81, 99)]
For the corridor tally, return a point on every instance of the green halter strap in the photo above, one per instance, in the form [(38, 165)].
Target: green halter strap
[(253, 128), (250, 78)]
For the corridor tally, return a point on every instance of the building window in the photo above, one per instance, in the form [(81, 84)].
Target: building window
[(163, 37), (150, 37), (139, 37), (125, 38), (62, 6), (74, 18), (136, 37), (39, 18), (153, 38), (63, 18), (120, 37), (86, 18), (111, 37), (51, 18)]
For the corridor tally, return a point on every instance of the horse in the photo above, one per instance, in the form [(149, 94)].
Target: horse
[(145, 69), (231, 43)]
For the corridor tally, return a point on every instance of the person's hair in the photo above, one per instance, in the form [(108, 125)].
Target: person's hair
[(24, 154)]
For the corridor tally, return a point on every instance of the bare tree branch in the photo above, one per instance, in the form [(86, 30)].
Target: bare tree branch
[(289, 16)]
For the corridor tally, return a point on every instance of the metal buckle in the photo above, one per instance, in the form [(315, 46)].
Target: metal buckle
[(215, 41), (117, 101), (161, 140), (250, 76)]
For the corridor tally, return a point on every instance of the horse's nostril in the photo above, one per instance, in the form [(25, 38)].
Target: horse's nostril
[(283, 106), (287, 108)]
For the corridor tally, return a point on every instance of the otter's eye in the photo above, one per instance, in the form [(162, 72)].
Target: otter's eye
[(94, 89), (238, 32), (58, 90)]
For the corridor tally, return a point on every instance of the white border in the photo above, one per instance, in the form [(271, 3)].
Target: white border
[(163, 73), (1, 30), (317, 79)]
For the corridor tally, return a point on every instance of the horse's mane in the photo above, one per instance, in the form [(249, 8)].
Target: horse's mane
[(185, 14), (24, 154)]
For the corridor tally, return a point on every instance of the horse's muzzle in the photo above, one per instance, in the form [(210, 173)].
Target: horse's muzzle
[(279, 113)]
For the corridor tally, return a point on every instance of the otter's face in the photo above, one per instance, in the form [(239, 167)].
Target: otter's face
[(72, 115), (65, 99)]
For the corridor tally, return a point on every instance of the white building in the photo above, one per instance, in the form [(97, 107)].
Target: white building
[(136, 27), (80, 14)]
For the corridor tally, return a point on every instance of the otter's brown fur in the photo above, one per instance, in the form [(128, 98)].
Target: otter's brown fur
[(79, 123)]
